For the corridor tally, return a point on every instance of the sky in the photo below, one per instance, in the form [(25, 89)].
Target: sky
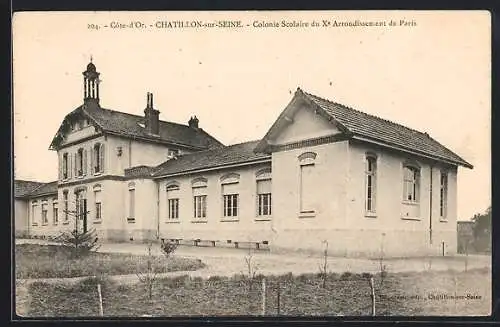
[(432, 74)]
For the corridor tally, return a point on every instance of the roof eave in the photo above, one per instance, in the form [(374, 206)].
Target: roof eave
[(229, 165), (157, 140), (400, 148)]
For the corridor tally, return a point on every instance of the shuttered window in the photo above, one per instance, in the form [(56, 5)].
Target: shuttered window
[(307, 188)]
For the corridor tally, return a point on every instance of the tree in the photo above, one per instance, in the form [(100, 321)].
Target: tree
[(79, 241), (482, 230)]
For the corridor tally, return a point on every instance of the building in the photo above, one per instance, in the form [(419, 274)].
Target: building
[(323, 172)]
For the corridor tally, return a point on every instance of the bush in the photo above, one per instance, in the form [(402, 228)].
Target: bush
[(346, 275), (168, 248)]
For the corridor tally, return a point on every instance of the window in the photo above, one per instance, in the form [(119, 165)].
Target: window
[(97, 203), (45, 219), (55, 212), (65, 166), (411, 184), (173, 201), (307, 189), (66, 206), (173, 208), (199, 186), (81, 162), (370, 184), (443, 195), (34, 212), (230, 205), (81, 205), (264, 192), (230, 193), (98, 158), (200, 206), (131, 207)]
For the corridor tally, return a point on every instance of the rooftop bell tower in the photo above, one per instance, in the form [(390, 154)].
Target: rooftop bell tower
[(91, 84)]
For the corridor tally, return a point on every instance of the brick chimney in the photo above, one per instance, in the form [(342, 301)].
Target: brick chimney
[(193, 122), (152, 116)]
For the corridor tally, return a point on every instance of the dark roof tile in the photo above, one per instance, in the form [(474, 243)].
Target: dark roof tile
[(233, 154), (373, 127), (23, 188), (129, 125)]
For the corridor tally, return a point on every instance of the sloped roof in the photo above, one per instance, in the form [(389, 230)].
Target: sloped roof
[(128, 125), (366, 127), (229, 155), (24, 189)]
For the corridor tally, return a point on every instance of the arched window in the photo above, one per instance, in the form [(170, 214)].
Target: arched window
[(98, 158), (307, 183), (81, 162), (230, 194), (370, 183), (199, 187), (131, 202), (264, 198), (98, 202), (65, 166), (66, 206), (172, 189)]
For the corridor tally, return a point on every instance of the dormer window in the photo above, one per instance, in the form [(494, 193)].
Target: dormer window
[(172, 153)]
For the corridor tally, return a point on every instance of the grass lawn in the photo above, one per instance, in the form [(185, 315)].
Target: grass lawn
[(53, 261), (344, 295)]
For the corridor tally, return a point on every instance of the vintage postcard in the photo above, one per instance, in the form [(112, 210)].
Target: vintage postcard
[(259, 163)]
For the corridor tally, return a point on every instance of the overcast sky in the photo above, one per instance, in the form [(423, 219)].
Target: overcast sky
[(434, 77)]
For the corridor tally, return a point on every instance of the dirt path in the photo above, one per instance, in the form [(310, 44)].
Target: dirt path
[(22, 298)]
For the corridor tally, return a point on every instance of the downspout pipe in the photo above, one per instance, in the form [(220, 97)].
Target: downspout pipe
[(157, 210)]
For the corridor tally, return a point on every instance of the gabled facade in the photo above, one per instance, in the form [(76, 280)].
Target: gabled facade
[(323, 172)]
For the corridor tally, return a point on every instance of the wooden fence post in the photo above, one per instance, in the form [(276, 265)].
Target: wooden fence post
[(278, 298), (263, 296), (101, 312), (372, 295), (466, 254)]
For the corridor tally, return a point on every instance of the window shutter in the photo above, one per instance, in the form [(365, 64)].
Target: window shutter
[(61, 159), (70, 164), (97, 195), (307, 193), (199, 191), (92, 159), (101, 157), (230, 188), (264, 186), (84, 168), (76, 164)]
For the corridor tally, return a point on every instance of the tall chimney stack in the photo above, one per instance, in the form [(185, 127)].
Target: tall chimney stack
[(152, 116)]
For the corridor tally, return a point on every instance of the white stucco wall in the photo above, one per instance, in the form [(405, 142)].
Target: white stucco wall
[(21, 216), (247, 227)]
